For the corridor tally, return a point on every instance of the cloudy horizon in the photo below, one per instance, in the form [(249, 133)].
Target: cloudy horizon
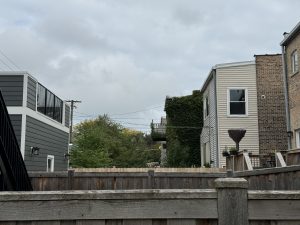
[(123, 57)]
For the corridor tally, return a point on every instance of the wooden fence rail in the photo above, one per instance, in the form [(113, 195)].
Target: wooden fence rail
[(43, 181), (230, 203), (282, 178)]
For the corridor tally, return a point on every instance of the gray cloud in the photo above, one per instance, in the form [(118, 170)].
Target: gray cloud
[(120, 56)]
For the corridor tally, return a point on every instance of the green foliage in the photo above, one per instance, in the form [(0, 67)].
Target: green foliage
[(104, 143), (184, 125)]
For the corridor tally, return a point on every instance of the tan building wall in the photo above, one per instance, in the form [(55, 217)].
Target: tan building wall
[(294, 87), (270, 103), (237, 76)]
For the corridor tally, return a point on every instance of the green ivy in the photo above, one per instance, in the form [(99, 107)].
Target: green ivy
[(184, 125)]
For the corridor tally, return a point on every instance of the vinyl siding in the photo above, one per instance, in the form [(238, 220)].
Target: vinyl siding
[(16, 121), (11, 87), (31, 94), (67, 115), (243, 76), (50, 140), (209, 131)]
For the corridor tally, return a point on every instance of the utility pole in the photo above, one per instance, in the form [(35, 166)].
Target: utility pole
[(72, 108)]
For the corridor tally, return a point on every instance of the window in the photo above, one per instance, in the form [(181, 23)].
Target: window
[(295, 66), (206, 107), (58, 109), (41, 99), (50, 163), (49, 104), (297, 138), (237, 102)]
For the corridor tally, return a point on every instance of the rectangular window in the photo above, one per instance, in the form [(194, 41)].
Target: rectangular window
[(58, 106), (50, 163), (237, 101), (295, 66), (41, 99), (206, 106), (297, 138), (49, 104)]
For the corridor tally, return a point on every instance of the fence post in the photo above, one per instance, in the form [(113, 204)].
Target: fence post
[(150, 179), (70, 179), (232, 201)]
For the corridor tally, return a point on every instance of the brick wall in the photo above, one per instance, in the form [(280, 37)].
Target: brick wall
[(294, 87), (270, 103)]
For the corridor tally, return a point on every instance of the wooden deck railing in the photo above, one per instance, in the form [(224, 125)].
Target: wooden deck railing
[(230, 203)]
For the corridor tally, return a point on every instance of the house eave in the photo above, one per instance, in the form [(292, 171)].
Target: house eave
[(290, 36)]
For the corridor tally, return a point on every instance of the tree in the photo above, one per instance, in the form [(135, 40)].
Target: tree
[(103, 143), (184, 124)]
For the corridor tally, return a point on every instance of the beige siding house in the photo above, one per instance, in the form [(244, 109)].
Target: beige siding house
[(235, 104), (231, 79)]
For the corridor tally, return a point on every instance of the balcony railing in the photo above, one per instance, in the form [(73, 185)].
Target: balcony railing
[(13, 173)]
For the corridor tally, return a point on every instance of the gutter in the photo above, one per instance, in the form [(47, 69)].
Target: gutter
[(286, 96)]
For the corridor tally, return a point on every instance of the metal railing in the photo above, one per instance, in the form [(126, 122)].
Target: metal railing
[(13, 173)]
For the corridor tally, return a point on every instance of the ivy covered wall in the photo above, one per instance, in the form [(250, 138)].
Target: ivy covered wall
[(184, 125)]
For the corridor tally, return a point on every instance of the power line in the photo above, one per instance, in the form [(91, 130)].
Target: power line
[(10, 60), (6, 64), (120, 114)]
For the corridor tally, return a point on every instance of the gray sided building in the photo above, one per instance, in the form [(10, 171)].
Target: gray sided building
[(40, 120)]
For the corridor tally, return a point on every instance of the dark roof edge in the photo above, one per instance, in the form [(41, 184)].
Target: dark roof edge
[(275, 54), (207, 81), (290, 36)]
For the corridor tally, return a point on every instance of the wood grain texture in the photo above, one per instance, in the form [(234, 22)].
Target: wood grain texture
[(108, 209), (90, 222), (137, 222), (274, 209), (232, 201), (181, 222)]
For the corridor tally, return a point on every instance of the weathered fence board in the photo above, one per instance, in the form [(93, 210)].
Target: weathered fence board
[(71, 180), (229, 204)]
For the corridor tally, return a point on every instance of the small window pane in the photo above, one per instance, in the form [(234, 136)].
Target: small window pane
[(237, 108), (50, 104), (58, 109), (237, 95), (207, 106), (41, 97), (295, 62)]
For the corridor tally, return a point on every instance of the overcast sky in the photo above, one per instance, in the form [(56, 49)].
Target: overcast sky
[(122, 57)]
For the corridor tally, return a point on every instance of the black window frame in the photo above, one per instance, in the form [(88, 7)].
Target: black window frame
[(51, 111)]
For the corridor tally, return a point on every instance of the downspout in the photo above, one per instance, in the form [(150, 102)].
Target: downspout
[(216, 118), (286, 96)]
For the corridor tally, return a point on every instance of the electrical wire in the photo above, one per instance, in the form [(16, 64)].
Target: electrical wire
[(10, 60)]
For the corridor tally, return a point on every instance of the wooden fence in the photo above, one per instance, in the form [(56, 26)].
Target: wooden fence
[(239, 161), (231, 203), (281, 178), (43, 181)]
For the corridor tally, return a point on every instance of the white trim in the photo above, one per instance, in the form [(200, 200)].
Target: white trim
[(36, 95), (224, 65), (297, 133), (25, 90), (228, 101), (63, 119), (295, 62), (52, 163), (38, 116), (23, 133)]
